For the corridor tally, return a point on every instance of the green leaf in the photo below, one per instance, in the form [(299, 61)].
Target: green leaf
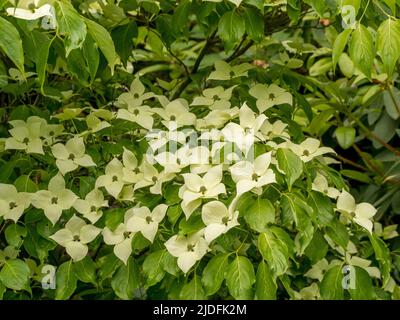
[(392, 5), (2, 290), (274, 251), (11, 44), (345, 136), (240, 278), (362, 49), (331, 286), (363, 288), (290, 164), (153, 267), (388, 44), (25, 184), (254, 24), (42, 47), (70, 24), (214, 272), (322, 208), (108, 264), (339, 45), (104, 41), (265, 283), (301, 212), (66, 281), (231, 28), (92, 56), (193, 290), (85, 270), (382, 254), (318, 248), (338, 233), (181, 17), (356, 175), (126, 280), (260, 214), (123, 39), (14, 235), (15, 274)]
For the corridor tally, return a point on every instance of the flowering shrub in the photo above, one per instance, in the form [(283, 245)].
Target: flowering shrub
[(153, 193)]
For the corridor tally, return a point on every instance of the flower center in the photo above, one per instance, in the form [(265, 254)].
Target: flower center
[(190, 247), (114, 178), (26, 140), (306, 153), (215, 98), (149, 219), (231, 74), (203, 189), (136, 170), (225, 220), (271, 96), (126, 234), (32, 7), (71, 157), (76, 238), (12, 205), (178, 161), (254, 177), (136, 112), (54, 200), (136, 95), (51, 133), (93, 208), (210, 159), (325, 190), (172, 118), (154, 179)]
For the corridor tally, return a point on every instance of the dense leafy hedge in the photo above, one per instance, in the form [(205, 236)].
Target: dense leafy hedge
[(199, 149)]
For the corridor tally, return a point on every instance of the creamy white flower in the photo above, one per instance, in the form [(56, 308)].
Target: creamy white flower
[(269, 96), (135, 97), (174, 162), (75, 237), (13, 203), (120, 238), (30, 10), (308, 149), (320, 184), (158, 139), (223, 71), (197, 188), (141, 115), (188, 249), (216, 118), (252, 175), (91, 206), (274, 130), (218, 219), (98, 119), (216, 98), (153, 178), (145, 221), (117, 175), (25, 136), (176, 114), (71, 155), (54, 200), (247, 132), (361, 213)]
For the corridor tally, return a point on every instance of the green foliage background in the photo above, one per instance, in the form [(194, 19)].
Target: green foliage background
[(341, 67)]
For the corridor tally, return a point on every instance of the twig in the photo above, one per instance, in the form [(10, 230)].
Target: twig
[(196, 66), (350, 162)]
